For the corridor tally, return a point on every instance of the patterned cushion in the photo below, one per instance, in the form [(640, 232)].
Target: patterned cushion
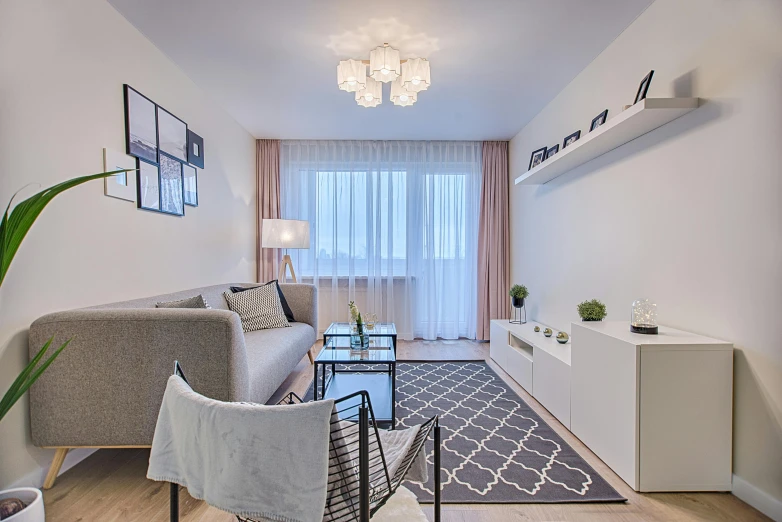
[(197, 301), (258, 308), (285, 307)]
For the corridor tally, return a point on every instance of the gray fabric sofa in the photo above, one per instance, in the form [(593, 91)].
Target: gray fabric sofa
[(106, 388)]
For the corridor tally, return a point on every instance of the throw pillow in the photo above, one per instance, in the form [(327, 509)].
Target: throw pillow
[(197, 301), (283, 301), (258, 308)]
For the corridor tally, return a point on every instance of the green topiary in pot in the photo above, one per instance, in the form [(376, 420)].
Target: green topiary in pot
[(518, 293), (592, 310)]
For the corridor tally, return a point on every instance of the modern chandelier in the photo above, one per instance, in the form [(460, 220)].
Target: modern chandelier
[(407, 77)]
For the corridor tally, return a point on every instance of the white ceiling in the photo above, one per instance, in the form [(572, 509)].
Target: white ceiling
[(272, 63)]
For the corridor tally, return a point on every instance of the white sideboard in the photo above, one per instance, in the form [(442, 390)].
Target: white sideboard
[(538, 363), (657, 409)]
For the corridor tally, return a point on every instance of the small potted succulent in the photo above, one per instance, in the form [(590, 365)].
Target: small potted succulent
[(592, 310)]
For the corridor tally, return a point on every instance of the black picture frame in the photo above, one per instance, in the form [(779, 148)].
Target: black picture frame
[(147, 185), (195, 149), (643, 88), (551, 151), (599, 120), (172, 189), (537, 158), (172, 135), (571, 138), (190, 185), (141, 141)]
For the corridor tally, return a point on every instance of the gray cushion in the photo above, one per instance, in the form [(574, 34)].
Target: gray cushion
[(258, 308), (197, 301)]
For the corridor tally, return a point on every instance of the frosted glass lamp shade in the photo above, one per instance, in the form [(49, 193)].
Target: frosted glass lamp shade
[(401, 96), (351, 75), (415, 75), (371, 95), (384, 65), (285, 233)]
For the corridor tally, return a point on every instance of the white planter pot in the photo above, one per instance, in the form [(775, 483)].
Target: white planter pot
[(34, 500)]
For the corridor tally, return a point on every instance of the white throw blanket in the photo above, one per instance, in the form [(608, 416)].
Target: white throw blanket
[(250, 460)]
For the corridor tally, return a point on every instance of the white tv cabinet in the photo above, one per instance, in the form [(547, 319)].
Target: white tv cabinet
[(538, 363), (656, 408)]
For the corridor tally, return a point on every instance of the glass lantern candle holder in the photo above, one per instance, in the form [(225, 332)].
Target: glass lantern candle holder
[(643, 318)]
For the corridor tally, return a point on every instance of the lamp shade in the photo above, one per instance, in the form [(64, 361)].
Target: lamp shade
[(415, 74), (401, 96), (285, 233), (371, 95), (384, 65), (351, 75)]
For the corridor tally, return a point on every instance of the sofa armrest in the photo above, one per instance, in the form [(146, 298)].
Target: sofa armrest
[(303, 300), (106, 387)]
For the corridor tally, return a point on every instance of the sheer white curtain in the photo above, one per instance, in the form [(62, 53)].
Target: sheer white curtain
[(393, 226)]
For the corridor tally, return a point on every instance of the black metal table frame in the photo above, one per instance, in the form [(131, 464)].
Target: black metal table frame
[(393, 336), (391, 371)]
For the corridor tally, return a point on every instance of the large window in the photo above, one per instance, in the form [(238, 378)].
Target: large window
[(381, 212)]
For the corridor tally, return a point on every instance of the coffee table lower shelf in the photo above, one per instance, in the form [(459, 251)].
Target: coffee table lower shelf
[(380, 387)]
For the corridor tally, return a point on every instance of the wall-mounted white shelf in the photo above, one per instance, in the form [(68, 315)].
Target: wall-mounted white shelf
[(636, 121)]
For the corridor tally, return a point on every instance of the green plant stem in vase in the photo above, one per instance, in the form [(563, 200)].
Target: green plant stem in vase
[(358, 339)]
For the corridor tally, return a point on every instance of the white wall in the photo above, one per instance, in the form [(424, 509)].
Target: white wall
[(688, 215), (62, 66)]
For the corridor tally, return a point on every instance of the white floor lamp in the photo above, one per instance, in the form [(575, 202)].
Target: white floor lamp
[(285, 233)]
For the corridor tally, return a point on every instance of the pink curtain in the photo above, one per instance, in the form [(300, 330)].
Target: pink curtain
[(268, 176), (493, 238)]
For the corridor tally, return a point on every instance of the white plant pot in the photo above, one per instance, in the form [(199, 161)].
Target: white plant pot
[(33, 498)]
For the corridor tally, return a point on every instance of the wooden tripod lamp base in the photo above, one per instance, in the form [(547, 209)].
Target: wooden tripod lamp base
[(286, 263)]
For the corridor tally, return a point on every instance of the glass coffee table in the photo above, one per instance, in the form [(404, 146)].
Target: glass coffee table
[(343, 371), (380, 330)]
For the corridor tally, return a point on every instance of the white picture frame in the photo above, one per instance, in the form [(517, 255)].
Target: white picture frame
[(120, 186)]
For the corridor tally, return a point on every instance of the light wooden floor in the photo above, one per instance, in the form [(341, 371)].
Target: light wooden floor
[(111, 484)]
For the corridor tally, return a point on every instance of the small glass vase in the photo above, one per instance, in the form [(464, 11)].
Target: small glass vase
[(359, 339)]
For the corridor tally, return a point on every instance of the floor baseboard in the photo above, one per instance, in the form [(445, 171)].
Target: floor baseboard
[(758, 499), (34, 479)]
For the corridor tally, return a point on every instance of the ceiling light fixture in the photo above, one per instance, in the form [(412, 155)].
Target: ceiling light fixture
[(407, 77)]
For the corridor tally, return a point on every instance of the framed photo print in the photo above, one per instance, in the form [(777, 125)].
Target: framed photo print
[(140, 126), (553, 150), (599, 120), (644, 87), (571, 139), (148, 185), (172, 134), (190, 177), (171, 187), (537, 158), (195, 149)]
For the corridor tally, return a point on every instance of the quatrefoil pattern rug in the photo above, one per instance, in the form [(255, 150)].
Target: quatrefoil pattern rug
[(495, 448)]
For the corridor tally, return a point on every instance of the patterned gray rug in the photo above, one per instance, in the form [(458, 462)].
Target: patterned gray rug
[(496, 449)]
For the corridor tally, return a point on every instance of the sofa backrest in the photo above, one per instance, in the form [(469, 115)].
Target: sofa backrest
[(212, 294)]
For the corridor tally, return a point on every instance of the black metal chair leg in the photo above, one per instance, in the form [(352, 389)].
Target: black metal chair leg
[(363, 464), (437, 472), (174, 501)]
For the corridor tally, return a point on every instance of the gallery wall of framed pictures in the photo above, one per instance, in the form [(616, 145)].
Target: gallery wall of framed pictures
[(167, 154)]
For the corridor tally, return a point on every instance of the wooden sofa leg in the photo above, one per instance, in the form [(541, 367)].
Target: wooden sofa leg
[(54, 469), (309, 354)]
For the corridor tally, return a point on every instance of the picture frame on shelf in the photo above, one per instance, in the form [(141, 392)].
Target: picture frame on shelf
[(148, 185), (551, 151), (599, 120), (643, 88), (120, 186), (172, 200), (537, 158), (172, 135), (195, 149), (141, 138), (571, 138), (190, 181)]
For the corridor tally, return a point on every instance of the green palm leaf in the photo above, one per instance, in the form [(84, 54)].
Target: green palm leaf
[(13, 228)]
